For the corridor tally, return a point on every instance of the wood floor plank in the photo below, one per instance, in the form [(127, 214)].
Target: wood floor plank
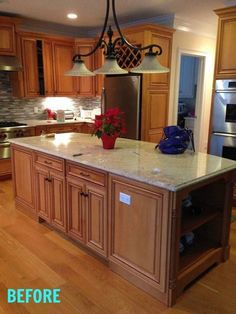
[(34, 256)]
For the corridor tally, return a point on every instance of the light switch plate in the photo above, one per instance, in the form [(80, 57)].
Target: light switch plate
[(125, 198)]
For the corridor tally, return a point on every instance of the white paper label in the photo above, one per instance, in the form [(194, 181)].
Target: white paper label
[(125, 198)]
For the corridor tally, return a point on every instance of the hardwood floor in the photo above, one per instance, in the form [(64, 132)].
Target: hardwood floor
[(33, 256)]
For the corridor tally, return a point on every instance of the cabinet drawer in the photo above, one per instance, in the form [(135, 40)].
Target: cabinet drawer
[(86, 174), (51, 162), (60, 128)]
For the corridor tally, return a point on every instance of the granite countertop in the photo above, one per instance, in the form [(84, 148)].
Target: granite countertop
[(132, 159), (33, 123)]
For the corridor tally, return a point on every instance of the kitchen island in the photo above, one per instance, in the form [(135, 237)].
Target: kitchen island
[(126, 205)]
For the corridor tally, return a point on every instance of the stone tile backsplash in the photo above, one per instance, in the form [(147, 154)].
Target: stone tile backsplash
[(13, 108)]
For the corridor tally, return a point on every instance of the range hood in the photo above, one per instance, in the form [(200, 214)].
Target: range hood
[(9, 63)]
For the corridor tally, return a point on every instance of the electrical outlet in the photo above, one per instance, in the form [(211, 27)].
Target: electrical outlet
[(125, 198), (36, 110)]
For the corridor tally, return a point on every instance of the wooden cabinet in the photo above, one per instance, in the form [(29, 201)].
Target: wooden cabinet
[(80, 127), (45, 60), (155, 87), (5, 168), (62, 57), (87, 207), (47, 57), (43, 197), (156, 114), (99, 79), (147, 234), (8, 36), (37, 67), (75, 210), (138, 222), (30, 67), (24, 180), (225, 56), (50, 187), (85, 86), (205, 221)]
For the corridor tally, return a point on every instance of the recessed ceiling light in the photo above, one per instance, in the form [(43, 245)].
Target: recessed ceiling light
[(72, 16)]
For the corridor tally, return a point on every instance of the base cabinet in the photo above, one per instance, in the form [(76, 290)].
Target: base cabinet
[(87, 208), (142, 230), (80, 127), (50, 196), (5, 168)]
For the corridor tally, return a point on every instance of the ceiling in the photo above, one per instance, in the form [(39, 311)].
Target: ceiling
[(92, 15)]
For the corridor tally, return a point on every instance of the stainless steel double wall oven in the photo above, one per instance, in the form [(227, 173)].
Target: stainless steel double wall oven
[(223, 136)]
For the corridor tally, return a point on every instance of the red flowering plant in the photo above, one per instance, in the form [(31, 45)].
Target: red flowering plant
[(110, 123)]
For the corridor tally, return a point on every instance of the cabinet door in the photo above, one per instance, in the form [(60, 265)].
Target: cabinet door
[(62, 56), (138, 231), (43, 198), (99, 79), (155, 107), (86, 85), (7, 39), (30, 67), (96, 219), (58, 208), (23, 175), (225, 55), (165, 41), (75, 210), (48, 68)]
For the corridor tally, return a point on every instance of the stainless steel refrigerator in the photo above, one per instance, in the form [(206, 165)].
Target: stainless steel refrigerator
[(124, 91)]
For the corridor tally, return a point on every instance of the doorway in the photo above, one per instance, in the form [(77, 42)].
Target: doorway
[(190, 93)]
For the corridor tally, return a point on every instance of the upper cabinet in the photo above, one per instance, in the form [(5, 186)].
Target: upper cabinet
[(62, 59), (45, 61), (30, 65), (225, 54), (7, 35), (85, 86), (155, 87)]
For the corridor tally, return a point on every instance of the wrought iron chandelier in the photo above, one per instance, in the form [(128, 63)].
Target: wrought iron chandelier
[(150, 64)]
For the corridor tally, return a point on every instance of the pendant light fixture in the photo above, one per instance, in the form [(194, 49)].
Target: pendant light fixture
[(150, 64)]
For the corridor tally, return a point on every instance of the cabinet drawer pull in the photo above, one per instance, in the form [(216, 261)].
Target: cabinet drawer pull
[(48, 179), (84, 174), (82, 193), (86, 195), (47, 162)]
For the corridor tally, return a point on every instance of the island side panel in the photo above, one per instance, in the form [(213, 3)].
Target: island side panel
[(23, 180), (139, 234)]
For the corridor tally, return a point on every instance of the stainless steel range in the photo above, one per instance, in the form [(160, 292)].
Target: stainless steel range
[(223, 137), (8, 130)]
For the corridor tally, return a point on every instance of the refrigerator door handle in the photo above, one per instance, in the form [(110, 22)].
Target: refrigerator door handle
[(103, 99)]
